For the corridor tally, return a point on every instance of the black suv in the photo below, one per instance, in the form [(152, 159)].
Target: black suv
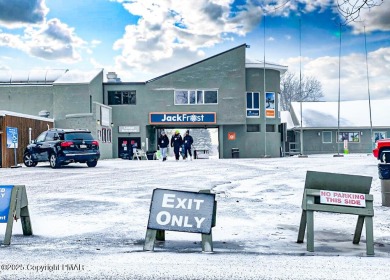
[(61, 147)]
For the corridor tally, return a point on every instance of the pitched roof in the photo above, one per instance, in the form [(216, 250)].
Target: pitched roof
[(352, 114)]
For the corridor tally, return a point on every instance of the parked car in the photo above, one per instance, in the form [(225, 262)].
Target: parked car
[(61, 147), (382, 150)]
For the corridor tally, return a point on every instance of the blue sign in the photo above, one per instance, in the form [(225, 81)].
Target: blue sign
[(5, 201), (12, 137), (253, 113), (182, 118)]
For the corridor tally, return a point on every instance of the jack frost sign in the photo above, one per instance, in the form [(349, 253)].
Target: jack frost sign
[(183, 118), (181, 211)]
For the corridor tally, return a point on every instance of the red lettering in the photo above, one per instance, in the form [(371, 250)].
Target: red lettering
[(352, 202)]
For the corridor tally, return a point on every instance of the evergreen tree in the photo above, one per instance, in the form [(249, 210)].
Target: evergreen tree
[(202, 139)]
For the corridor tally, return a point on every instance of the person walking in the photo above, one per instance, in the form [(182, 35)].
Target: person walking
[(187, 142), (176, 142), (162, 144)]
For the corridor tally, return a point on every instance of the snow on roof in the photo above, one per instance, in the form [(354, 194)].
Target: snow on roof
[(352, 114), (285, 117), (253, 63), (9, 113), (35, 76), (78, 77)]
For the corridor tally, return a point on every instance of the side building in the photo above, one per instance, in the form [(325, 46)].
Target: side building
[(329, 127), (73, 99)]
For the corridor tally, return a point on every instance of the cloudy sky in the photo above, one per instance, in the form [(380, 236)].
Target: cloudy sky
[(142, 39)]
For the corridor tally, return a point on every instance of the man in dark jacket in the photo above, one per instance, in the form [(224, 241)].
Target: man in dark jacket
[(176, 142), (187, 140), (163, 143)]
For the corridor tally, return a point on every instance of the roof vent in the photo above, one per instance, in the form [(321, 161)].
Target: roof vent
[(112, 77)]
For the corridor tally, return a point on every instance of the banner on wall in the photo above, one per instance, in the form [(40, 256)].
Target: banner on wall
[(270, 104)]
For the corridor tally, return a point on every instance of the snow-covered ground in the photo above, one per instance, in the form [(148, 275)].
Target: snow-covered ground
[(96, 218)]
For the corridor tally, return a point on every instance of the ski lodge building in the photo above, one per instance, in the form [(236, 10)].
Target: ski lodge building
[(224, 92)]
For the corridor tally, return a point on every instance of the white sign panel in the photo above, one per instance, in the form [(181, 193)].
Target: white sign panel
[(343, 198), (129, 129), (181, 211), (105, 116)]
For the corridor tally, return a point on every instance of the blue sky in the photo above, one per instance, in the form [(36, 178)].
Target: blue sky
[(142, 39)]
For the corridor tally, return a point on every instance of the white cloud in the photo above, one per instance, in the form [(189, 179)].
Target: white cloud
[(353, 74), (52, 40), (39, 37), (12, 41), (17, 13), (179, 28)]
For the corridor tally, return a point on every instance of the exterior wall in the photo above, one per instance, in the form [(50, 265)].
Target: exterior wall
[(76, 98), (24, 99), (23, 124), (255, 83), (90, 121)]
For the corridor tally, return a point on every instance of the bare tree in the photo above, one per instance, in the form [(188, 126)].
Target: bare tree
[(295, 89), (351, 9)]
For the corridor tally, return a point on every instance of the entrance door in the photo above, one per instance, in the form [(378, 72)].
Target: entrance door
[(126, 145)]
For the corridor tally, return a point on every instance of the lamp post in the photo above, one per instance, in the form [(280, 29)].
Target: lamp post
[(338, 103), (368, 90), (300, 89), (264, 89)]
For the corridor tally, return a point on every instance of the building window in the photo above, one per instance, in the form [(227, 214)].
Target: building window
[(253, 104), (327, 137), (122, 97), (378, 135), (104, 135), (270, 128), (252, 128), (353, 137), (109, 137), (195, 97)]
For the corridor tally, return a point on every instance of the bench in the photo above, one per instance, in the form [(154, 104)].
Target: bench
[(329, 183), (201, 154), (139, 154)]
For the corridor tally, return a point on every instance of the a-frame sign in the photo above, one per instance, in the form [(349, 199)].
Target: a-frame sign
[(337, 193), (14, 206)]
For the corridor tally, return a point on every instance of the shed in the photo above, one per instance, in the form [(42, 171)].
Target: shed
[(28, 128)]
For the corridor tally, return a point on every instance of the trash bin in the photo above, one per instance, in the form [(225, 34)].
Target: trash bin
[(235, 152), (384, 176), (150, 155)]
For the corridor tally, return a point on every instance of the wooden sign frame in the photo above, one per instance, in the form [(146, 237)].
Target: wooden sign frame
[(18, 210), (207, 239), (317, 181)]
